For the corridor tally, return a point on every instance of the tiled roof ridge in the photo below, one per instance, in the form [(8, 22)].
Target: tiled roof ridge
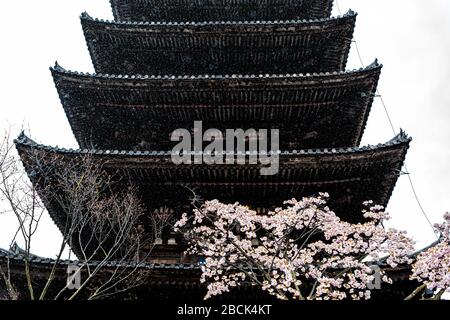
[(373, 66), (24, 140), (350, 14)]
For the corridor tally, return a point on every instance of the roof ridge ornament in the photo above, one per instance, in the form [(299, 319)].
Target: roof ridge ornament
[(85, 15), (57, 67), (350, 12), (23, 139), (374, 64), (403, 135)]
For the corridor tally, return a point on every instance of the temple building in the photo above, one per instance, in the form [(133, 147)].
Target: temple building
[(263, 64)]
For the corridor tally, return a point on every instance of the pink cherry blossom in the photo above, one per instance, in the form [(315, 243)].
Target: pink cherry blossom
[(301, 251), (433, 266)]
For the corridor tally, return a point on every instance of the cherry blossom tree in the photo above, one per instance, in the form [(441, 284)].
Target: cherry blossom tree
[(303, 251), (432, 267)]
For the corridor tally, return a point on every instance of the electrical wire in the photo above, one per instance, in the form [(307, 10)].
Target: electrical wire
[(391, 123)]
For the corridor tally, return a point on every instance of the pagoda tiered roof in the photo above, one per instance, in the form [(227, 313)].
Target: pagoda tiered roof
[(350, 175), (215, 10), (140, 112), (221, 47), (232, 64), (165, 281)]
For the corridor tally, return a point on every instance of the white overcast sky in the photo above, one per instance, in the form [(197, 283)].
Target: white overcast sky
[(410, 37)]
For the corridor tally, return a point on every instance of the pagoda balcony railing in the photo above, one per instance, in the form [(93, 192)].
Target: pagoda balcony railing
[(219, 10)]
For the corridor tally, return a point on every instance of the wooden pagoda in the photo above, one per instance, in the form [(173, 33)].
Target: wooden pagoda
[(274, 64)]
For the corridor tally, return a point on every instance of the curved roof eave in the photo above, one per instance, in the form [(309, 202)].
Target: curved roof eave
[(401, 139)]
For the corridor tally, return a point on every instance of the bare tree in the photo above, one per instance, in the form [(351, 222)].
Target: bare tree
[(161, 219), (21, 200), (99, 222)]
